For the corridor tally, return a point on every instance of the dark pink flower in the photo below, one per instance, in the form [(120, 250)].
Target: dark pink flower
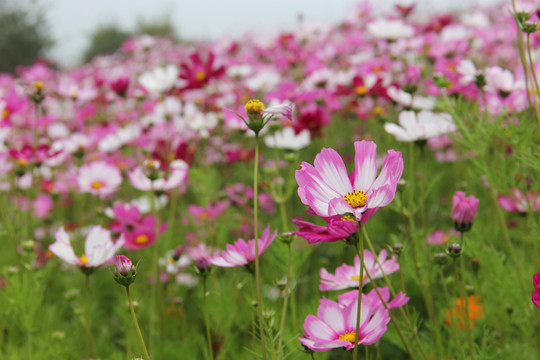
[(536, 293), (464, 210)]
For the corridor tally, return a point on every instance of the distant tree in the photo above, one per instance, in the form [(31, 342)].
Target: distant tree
[(24, 36), (105, 39), (159, 27)]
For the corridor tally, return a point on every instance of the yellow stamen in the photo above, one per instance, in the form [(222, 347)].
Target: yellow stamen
[(355, 198), (377, 69), (378, 111), (348, 217), (97, 185), (5, 113), (200, 75), (22, 162), (361, 90), (170, 261), (141, 239), (38, 85), (349, 336), (254, 107), (356, 278), (84, 259)]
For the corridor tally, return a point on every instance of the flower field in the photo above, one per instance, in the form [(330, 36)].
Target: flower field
[(362, 190)]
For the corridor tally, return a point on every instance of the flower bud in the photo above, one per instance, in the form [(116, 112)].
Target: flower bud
[(454, 250), (28, 245), (441, 258), (397, 249), (464, 211), (124, 270), (530, 27)]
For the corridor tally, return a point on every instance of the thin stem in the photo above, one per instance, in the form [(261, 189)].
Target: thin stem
[(206, 321), (155, 272), (29, 345), (360, 251), (403, 313), (90, 349), (468, 325), (506, 236), (285, 301), (134, 317), (535, 93), (256, 237)]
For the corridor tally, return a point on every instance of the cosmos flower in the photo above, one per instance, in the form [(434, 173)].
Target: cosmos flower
[(536, 294), (464, 210), (176, 178), (99, 178), (516, 201), (160, 79), (328, 190), (98, 248), (422, 126), (337, 228), (335, 324), (288, 139), (476, 311), (348, 276), (242, 253)]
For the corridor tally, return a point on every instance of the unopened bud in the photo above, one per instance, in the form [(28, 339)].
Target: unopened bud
[(286, 237), (454, 250), (124, 271), (28, 245), (441, 258), (397, 249)]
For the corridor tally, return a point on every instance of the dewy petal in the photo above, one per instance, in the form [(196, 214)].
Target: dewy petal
[(365, 161), (332, 170)]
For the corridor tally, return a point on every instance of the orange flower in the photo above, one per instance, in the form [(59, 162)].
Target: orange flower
[(476, 311)]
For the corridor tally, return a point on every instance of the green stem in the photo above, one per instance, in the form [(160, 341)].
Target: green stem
[(506, 236), (29, 345), (155, 271), (468, 325), (136, 323), (285, 301), (536, 93), (360, 251), (206, 320), (90, 348), (256, 237)]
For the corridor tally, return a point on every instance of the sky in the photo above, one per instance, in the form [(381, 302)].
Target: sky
[(72, 21)]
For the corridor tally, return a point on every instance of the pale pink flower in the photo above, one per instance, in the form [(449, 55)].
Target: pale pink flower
[(176, 178), (348, 276), (516, 201), (335, 324), (422, 126), (328, 190), (98, 248), (242, 253), (99, 178)]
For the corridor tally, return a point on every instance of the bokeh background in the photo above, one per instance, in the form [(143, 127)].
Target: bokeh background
[(73, 31)]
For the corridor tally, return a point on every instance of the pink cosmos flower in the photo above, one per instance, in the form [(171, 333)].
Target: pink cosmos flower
[(242, 253), (99, 178), (464, 210), (328, 189), (335, 324), (347, 276), (139, 232), (536, 293), (337, 228), (176, 178), (399, 300), (519, 202), (98, 248)]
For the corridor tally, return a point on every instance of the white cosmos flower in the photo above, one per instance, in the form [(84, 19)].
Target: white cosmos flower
[(422, 126), (288, 139), (98, 248), (160, 79), (390, 29), (414, 102)]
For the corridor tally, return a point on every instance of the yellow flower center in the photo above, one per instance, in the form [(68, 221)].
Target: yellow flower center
[(97, 185), (348, 217), (38, 85), (200, 75), (355, 198), (349, 336), (5, 113), (356, 278), (22, 162), (378, 111), (141, 239), (361, 90), (254, 107), (84, 259)]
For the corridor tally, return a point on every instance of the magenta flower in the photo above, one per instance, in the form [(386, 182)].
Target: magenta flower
[(348, 276), (328, 190), (464, 210), (139, 232), (337, 229), (536, 293), (399, 300), (123, 265), (335, 324), (519, 202), (242, 253)]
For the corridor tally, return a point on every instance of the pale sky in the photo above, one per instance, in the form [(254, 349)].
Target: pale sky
[(72, 21)]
